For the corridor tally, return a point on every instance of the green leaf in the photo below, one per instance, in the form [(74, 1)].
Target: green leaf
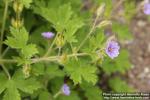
[(26, 85), (38, 69), (45, 95), (122, 61), (92, 92), (120, 64), (129, 9), (122, 31), (58, 17), (119, 85), (71, 27), (29, 85), (72, 96), (11, 92), (18, 39), (96, 41), (56, 84), (53, 71), (26, 3), (78, 70), (3, 80), (29, 50)]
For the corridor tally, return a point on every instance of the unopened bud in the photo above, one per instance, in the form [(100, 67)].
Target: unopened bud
[(104, 23), (20, 23), (18, 7), (101, 9), (26, 70), (16, 23), (60, 41)]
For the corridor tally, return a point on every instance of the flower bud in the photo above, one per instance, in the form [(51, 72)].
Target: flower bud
[(17, 23), (18, 7), (26, 70), (60, 41), (104, 23), (101, 9), (20, 23), (14, 23)]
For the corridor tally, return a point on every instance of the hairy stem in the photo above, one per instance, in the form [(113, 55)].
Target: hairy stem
[(2, 35), (3, 25), (88, 35), (55, 58), (57, 94), (7, 61), (51, 46), (6, 71), (5, 51)]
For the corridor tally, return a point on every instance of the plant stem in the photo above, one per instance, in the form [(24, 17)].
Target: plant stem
[(6, 71), (3, 25), (88, 35), (51, 58), (50, 48), (59, 51), (57, 94), (5, 51), (55, 58), (7, 61)]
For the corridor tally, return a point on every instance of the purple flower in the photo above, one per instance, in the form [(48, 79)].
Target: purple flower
[(147, 8), (112, 49), (65, 89), (48, 35)]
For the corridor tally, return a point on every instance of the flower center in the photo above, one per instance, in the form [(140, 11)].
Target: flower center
[(110, 49)]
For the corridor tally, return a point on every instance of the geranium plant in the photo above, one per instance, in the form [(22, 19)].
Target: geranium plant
[(59, 49)]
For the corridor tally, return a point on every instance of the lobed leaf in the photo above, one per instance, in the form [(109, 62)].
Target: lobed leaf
[(78, 70), (18, 39)]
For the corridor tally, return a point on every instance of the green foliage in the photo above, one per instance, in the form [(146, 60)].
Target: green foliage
[(58, 17), (122, 31), (11, 92), (29, 50), (71, 27), (120, 64), (92, 93), (119, 85), (53, 71), (18, 82), (78, 70), (45, 95), (18, 39), (26, 3), (73, 96), (63, 20), (3, 80), (130, 9), (79, 67)]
